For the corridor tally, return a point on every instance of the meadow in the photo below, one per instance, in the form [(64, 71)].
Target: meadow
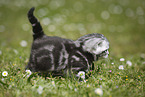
[(122, 74)]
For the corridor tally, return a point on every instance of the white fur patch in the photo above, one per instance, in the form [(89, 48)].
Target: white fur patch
[(96, 45), (75, 68), (49, 47), (76, 58), (100, 48), (77, 44), (107, 53), (52, 62)]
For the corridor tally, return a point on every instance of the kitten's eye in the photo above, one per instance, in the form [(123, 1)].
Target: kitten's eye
[(100, 43)]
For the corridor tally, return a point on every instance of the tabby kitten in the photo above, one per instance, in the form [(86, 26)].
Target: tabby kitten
[(62, 56)]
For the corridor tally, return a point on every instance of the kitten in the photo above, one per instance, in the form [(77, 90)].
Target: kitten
[(61, 56)]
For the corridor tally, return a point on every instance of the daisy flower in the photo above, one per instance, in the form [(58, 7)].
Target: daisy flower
[(88, 85), (5, 73), (121, 67), (40, 90), (129, 63), (122, 59), (81, 74), (53, 83), (28, 73), (99, 91), (112, 63), (75, 89)]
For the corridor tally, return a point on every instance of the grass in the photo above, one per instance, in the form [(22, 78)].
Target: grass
[(107, 76), (123, 23)]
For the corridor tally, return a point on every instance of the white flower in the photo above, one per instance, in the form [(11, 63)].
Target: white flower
[(81, 74), (53, 83), (129, 63), (99, 91), (40, 90), (121, 67), (75, 89), (28, 73), (88, 85), (23, 43), (112, 63), (5, 73), (122, 59)]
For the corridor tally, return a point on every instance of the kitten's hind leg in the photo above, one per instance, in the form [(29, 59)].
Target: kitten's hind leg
[(30, 67)]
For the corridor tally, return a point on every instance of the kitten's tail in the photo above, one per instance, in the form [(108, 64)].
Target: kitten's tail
[(37, 29)]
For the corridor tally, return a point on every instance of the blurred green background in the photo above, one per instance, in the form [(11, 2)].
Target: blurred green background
[(121, 21)]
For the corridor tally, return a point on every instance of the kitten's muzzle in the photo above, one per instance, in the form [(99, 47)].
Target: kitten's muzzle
[(104, 54)]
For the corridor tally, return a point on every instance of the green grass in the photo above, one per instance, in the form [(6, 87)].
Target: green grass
[(122, 22), (113, 81)]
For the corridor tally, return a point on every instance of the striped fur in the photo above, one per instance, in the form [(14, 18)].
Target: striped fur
[(60, 56), (37, 29)]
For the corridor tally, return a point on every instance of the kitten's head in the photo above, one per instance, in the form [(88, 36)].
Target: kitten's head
[(96, 44)]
